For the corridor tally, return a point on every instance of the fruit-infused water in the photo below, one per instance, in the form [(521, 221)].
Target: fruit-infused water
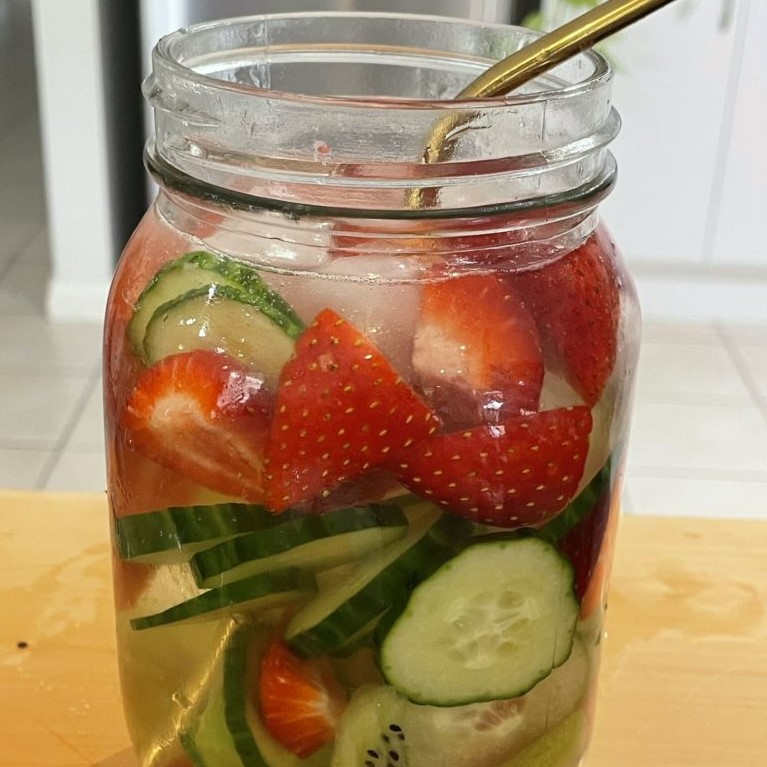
[(364, 462)]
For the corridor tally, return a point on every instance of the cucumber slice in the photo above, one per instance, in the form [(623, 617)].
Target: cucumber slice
[(236, 697), (261, 592), (207, 740), (200, 723), (499, 729), (202, 269), (223, 319), (158, 669), (562, 746), (489, 624), (228, 732), (174, 534), (378, 720), (343, 609), (314, 542)]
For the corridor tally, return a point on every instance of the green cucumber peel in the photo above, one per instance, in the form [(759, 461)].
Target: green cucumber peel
[(257, 593), (235, 703), (338, 616), (489, 624), (312, 542), (582, 505), (205, 271), (268, 303), (225, 728), (175, 533)]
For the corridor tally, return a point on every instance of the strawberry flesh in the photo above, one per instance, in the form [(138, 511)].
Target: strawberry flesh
[(299, 700), (205, 416), (476, 353), (576, 304), (517, 473), (341, 409), (583, 543)]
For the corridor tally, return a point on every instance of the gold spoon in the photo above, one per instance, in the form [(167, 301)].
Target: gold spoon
[(556, 46), (534, 59)]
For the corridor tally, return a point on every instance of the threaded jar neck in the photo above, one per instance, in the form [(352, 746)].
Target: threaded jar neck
[(332, 113)]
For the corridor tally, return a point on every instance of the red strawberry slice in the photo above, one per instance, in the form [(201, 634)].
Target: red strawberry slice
[(300, 701), (476, 351), (583, 543), (576, 304), (204, 415), (341, 410), (517, 473)]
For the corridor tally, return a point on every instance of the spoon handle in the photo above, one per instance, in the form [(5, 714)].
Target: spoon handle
[(565, 41)]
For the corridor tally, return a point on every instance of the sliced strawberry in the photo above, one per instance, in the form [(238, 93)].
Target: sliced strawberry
[(583, 543), (476, 351), (576, 304), (341, 409), (300, 701), (205, 416), (516, 473)]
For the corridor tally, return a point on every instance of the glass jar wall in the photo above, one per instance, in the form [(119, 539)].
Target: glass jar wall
[(366, 412)]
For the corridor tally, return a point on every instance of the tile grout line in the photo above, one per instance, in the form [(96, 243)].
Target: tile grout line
[(742, 367), (66, 434), (695, 473)]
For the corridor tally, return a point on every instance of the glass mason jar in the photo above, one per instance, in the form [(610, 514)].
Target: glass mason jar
[(367, 393)]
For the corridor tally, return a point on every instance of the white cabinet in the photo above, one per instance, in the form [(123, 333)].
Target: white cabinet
[(689, 208), (70, 76), (738, 236), (673, 70)]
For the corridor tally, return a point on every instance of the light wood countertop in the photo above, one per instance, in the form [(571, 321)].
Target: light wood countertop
[(684, 680)]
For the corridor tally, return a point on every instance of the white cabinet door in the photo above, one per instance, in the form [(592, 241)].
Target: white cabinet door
[(674, 70), (738, 236)]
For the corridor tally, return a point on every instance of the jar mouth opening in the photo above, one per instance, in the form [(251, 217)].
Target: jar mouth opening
[(324, 110), (186, 53)]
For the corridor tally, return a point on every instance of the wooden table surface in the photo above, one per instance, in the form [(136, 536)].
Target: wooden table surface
[(684, 682)]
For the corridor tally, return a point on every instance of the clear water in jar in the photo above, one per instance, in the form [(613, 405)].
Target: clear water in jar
[(363, 520)]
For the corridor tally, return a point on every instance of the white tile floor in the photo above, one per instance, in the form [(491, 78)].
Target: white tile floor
[(699, 441)]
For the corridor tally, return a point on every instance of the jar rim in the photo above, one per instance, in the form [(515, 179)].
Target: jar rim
[(167, 51), (320, 109)]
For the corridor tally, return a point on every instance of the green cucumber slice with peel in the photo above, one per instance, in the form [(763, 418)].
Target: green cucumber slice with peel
[(174, 534), (378, 721), (258, 593), (561, 746), (200, 722), (202, 729), (228, 732), (314, 542), (488, 625), (343, 609), (202, 269), (223, 319)]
